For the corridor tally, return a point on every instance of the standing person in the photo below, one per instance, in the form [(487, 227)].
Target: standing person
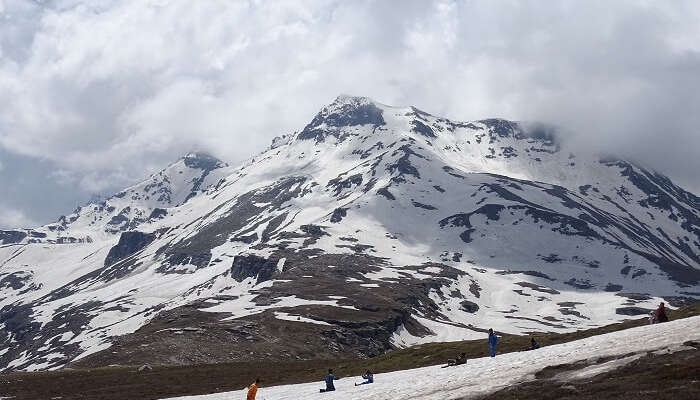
[(493, 341), (330, 387), (368, 377), (253, 389), (533, 344), (661, 313)]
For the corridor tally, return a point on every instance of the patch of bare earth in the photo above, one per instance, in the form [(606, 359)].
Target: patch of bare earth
[(673, 376)]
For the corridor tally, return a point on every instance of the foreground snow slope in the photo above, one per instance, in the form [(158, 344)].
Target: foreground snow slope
[(486, 375)]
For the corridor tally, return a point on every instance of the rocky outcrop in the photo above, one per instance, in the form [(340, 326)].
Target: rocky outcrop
[(129, 243)]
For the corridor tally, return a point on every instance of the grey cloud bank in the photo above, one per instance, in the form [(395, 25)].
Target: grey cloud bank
[(95, 95)]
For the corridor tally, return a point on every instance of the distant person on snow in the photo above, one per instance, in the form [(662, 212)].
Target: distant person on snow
[(253, 389), (652, 317), (459, 360), (661, 313), (533, 344), (493, 341), (330, 387), (368, 377)]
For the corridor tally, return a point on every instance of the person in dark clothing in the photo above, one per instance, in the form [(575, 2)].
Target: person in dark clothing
[(368, 377), (661, 313), (459, 360), (533, 344), (493, 341), (330, 387)]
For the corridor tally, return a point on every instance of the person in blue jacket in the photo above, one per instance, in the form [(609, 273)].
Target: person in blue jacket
[(368, 377), (493, 341), (330, 387)]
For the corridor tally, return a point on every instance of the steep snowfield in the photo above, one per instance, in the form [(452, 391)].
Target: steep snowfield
[(430, 228), (486, 375)]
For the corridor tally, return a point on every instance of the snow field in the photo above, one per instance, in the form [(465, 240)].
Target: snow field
[(486, 375)]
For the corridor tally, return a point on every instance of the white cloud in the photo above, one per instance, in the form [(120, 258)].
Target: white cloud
[(13, 218), (108, 90)]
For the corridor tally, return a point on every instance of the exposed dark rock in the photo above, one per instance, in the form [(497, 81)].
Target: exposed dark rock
[(491, 211), (158, 213), (537, 287), (386, 193), (252, 266), (196, 250), (422, 129), (403, 164), (579, 283), (338, 184), (639, 272), (530, 273), (632, 311), (421, 205), (21, 281), (501, 127), (468, 306), (352, 113), (552, 258), (202, 161), (129, 243), (508, 152), (680, 301), (9, 237), (612, 287), (451, 172), (339, 214), (634, 296), (248, 239)]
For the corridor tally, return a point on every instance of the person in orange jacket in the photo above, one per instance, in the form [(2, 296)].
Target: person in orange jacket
[(253, 389)]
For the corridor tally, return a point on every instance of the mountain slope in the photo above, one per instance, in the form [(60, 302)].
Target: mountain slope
[(373, 227)]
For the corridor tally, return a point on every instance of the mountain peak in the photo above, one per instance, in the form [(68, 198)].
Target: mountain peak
[(343, 111), (202, 160), (350, 99)]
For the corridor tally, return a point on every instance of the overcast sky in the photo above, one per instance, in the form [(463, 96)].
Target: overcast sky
[(95, 95)]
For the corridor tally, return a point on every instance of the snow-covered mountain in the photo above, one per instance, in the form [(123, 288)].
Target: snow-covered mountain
[(373, 227)]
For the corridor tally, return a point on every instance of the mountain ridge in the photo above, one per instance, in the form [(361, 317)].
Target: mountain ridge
[(374, 227)]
